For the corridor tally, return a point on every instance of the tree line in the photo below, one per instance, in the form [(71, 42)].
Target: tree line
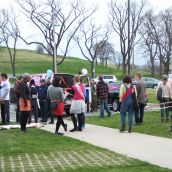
[(60, 25)]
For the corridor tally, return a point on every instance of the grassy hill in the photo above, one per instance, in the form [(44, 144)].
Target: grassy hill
[(32, 62)]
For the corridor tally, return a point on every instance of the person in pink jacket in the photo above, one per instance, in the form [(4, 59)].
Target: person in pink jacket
[(78, 104)]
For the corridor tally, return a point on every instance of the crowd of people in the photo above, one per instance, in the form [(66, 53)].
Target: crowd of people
[(48, 99)]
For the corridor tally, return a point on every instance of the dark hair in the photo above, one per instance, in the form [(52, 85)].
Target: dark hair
[(4, 75), (32, 82), (56, 81), (127, 79)]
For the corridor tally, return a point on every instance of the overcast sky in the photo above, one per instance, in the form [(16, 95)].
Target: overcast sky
[(101, 16)]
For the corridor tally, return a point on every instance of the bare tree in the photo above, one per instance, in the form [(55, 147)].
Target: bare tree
[(67, 19), (148, 43), (9, 34), (40, 49), (106, 51), (161, 33), (118, 16), (91, 35)]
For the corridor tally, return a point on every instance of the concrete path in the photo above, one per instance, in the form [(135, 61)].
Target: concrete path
[(155, 150)]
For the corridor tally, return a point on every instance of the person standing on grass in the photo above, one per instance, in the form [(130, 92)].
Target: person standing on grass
[(42, 96), (5, 99), (25, 101), (102, 95), (127, 102), (17, 94), (164, 94), (55, 93), (34, 103), (141, 96), (78, 104), (94, 97)]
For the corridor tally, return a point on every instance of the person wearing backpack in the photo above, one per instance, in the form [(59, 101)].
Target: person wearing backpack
[(126, 95), (164, 95)]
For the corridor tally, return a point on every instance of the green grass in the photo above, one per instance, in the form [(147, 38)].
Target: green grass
[(32, 62), (152, 124), (151, 95), (13, 143)]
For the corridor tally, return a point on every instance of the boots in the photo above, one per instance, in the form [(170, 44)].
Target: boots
[(129, 130), (74, 120), (122, 129)]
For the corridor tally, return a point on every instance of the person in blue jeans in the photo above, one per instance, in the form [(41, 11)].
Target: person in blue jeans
[(102, 95), (126, 101)]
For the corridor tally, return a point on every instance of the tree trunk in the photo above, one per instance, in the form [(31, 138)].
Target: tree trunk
[(124, 67), (92, 69), (152, 60), (14, 69)]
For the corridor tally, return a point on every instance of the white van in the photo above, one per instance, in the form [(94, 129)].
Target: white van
[(107, 78)]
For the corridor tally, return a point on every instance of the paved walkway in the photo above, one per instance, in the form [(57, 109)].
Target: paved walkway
[(155, 150)]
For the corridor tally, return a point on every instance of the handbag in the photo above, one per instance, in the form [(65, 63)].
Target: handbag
[(54, 104), (135, 101), (159, 94)]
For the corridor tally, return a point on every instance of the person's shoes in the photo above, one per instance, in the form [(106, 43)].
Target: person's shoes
[(51, 122), (65, 127), (129, 130), (80, 129), (109, 115), (58, 133), (122, 129), (167, 120), (74, 129), (137, 123), (2, 123), (162, 119), (41, 121)]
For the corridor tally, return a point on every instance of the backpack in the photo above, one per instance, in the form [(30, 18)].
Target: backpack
[(159, 94)]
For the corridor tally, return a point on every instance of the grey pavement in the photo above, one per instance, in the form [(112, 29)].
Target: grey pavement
[(152, 149)]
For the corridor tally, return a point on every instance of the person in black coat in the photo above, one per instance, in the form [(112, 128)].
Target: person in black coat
[(42, 96), (24, 102), (34, 103)]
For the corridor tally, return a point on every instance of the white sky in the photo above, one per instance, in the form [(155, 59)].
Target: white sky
[(101, 16)]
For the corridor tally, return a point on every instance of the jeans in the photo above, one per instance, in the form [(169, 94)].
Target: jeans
[(104, 106), (94, 103), (164, 109), (139, 114), (127, 106), (5, 112)]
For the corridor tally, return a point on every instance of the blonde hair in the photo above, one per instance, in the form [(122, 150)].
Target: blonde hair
[(77, 78)]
